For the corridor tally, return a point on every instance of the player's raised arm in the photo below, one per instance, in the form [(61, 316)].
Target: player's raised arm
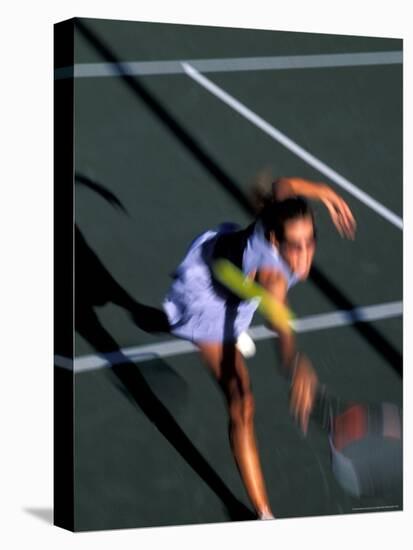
[(338, 209), (295, 365)]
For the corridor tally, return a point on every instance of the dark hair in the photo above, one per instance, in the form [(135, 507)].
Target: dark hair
[(274, 214)]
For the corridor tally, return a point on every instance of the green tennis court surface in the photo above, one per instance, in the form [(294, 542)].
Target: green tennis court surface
[(151, 162)]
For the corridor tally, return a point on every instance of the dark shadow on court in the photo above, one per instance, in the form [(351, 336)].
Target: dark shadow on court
[(168, 386), (375, 339), (96, 287), (107, 195)]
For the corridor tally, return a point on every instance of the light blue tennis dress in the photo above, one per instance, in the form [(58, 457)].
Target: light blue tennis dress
[(199, 311)]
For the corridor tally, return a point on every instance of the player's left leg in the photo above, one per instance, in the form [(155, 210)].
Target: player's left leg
[(227, 365)]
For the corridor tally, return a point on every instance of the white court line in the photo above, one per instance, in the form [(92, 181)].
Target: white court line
[(177, 347), (268, 63), (292, 146)]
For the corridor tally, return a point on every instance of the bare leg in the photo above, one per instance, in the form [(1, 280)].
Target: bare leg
[(227, 365)]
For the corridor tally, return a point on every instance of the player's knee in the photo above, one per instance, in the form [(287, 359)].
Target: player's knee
[(242, 408)]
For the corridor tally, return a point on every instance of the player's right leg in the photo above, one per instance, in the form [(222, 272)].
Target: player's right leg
[(148, 318)]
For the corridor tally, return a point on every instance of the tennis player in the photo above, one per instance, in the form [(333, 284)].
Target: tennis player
[(277, 251)]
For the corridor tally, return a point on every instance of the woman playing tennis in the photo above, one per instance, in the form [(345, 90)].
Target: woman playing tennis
[(277, 251)]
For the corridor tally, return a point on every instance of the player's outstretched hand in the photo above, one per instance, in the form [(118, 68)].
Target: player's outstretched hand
[(303, 390), (340, 212)]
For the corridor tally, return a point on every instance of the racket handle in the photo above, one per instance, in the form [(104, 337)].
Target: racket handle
[(325, 407)]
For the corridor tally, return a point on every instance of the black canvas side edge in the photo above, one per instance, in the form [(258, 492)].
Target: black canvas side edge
[(63, 429)]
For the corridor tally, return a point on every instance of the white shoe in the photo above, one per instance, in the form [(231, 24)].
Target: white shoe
[(266, 515), (246, 345)]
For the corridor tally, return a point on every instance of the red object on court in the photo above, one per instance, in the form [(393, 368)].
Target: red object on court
[(366, 449), (350, 426)]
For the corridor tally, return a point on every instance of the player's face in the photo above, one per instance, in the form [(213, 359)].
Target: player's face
[(298, 246)]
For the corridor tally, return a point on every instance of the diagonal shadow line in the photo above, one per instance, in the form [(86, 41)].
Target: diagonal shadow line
[(88, 270), (338, 298), (100, 190), (366, 330), (140, 393), (139, 89)]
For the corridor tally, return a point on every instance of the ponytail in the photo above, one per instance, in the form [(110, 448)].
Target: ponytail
[(262, 191)]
